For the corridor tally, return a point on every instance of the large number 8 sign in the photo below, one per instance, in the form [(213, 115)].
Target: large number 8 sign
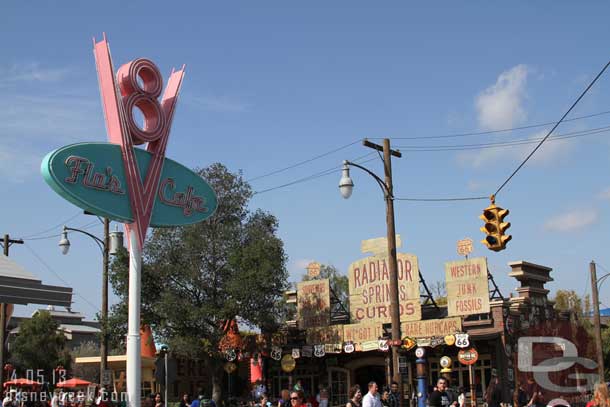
[(141, 84)]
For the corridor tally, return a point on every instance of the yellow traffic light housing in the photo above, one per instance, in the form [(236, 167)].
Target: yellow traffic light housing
[(495, 227)]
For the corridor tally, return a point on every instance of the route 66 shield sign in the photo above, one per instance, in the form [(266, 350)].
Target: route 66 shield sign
[(462, 341), (276, 353)]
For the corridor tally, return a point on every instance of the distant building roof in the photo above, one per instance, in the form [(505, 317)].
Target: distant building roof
[(19, 286), (79, 328), (602, 312), (63, 314)]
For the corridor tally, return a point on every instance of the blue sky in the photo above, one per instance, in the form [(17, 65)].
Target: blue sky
[(269, 84)]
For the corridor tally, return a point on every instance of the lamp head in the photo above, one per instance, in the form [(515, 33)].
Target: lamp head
[(346, 185), (64, 243)]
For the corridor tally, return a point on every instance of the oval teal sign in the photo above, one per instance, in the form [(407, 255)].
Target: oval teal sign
[(92, 177)]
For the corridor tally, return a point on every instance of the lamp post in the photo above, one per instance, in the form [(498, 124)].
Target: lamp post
[(165, 351), (110, 245), (595, 284), (346, 185)]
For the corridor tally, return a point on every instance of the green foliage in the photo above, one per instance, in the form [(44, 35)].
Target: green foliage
[(39, 345), (196, 277), (569, 300), (606, 350), (87, 372)]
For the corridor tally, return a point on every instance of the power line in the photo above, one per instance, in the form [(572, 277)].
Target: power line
[(53, 227), (304, 161), (468, 198), (41, 261), (314, 176), (482, 133), (501, 144), (84, 227), (554, 127)]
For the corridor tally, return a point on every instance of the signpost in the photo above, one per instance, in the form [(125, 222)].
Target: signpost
[(138, 187), (469, 357)]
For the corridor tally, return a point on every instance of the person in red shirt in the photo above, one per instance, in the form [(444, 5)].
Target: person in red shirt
[(600, 396)]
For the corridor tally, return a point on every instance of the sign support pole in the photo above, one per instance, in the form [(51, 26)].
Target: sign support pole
[(473, 394), (134, 353)]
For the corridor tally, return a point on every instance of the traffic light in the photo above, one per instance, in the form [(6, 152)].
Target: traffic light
[(494, 227)]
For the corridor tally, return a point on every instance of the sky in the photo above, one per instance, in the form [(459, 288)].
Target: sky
[(270, 84)]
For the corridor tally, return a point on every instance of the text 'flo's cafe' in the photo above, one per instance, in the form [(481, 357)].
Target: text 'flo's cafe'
[(469, 337)]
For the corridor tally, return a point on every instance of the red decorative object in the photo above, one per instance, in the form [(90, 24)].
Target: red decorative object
[(8, 367), (232, 338)]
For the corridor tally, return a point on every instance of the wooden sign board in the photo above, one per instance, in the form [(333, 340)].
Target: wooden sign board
[(431, 327), (313, 303), (369, 289), (467, 287)]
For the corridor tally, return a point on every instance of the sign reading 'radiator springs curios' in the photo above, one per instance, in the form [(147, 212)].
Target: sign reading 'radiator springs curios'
[(369, 289)]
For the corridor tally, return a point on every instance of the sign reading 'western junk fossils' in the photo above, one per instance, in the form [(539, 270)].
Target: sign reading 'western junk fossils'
[(467, 287)]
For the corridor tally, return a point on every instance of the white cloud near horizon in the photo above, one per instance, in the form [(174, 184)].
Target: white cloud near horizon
[(549, 152), (572, 220), (500, 106), (604, 194), (30, 72)]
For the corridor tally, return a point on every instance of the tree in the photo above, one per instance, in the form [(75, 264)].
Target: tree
[(87, 372), (195, 278), (439, 292), (339, 283), (569, 300), (39, 345)]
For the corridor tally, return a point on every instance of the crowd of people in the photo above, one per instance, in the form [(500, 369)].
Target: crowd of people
[(440, 395)]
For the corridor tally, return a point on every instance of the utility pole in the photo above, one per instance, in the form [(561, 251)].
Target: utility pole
[(390, 222), (6, 244), (104, 344), (596, 322)]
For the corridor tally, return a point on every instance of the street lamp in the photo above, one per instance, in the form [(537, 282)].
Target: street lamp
[(165, 351), (110, 245), (346, 186)]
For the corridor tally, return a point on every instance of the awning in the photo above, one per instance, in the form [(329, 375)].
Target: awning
[(19, 286)]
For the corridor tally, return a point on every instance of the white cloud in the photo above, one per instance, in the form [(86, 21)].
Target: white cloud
[(31, 72), (500, 106), (571, 221), (18, 163), (604, 194), (548, 153)]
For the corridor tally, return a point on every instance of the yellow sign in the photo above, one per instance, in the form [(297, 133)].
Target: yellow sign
[(467, 289), (431, 327), (288, 363), (450, 340), (369, 289), (313, 303), (359, 333), (408, 343)]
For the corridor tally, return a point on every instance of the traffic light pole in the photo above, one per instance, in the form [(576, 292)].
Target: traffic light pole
[(5, 244)]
